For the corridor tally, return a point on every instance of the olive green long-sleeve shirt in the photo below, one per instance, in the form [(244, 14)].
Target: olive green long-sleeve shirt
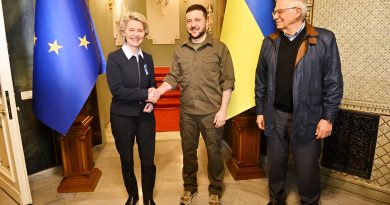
[(203, 73)]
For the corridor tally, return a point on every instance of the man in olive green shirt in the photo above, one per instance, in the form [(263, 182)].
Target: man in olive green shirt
[(203, 68)]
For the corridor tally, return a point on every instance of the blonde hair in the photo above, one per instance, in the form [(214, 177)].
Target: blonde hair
[(133, 16)]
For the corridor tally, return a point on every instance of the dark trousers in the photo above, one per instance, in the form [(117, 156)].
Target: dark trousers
[(142, 128), (306, 152), (190, 128)]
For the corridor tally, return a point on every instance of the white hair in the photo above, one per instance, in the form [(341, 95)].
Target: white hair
[(300, 4)]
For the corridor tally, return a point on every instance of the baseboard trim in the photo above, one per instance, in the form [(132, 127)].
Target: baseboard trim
[(356, 189)]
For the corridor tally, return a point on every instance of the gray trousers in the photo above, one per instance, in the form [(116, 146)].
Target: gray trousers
[(190, 128), (306, 152)]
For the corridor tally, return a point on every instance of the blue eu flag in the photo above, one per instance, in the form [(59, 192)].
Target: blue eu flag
[(67, 61)]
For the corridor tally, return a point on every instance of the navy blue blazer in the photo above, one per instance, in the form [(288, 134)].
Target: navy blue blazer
[(129, 82)]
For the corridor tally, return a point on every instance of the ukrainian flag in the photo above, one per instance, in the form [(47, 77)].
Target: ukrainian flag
[(245, 25)]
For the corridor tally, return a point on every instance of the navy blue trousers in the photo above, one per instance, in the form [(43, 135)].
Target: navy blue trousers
[(127, 129)]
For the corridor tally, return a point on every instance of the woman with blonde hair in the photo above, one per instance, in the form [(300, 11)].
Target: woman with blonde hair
[(130, 74)]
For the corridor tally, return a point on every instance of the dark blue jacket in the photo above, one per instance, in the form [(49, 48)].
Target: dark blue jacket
[(317, 80), (129, 84)]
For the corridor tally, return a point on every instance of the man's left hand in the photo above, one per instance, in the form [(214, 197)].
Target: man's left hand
[(220, 119), (324, 129)]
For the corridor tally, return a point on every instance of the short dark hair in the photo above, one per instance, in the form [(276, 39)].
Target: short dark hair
[(197, 7)]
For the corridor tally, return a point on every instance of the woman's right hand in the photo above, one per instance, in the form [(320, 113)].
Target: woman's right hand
[(153, 95)]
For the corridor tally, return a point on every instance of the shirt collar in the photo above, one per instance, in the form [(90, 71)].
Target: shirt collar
[(208, 40), (129, 53), (292, 37)]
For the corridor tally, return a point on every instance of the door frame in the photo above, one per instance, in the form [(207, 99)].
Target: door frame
[(24, 192)]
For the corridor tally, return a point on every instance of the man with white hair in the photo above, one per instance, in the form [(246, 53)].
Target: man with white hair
[(298, 91)]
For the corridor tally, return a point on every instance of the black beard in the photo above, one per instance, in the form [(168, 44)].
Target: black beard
[(199, 36)]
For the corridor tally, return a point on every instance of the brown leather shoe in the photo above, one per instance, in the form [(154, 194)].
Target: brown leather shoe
[(214, 200), (186, 199)]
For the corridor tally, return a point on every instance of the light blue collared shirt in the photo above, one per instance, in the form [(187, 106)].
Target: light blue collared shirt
[(129, 53), (292, 37)]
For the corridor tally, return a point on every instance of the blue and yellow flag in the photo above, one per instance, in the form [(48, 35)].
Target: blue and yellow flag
[(67, 61), (245, 25)]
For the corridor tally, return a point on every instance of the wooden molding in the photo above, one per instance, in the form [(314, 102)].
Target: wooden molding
[(245, 163), (76, 151)]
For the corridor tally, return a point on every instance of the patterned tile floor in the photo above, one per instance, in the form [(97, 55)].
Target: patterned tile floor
[(168, 189)]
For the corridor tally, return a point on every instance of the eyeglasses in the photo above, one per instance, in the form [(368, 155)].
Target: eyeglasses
[(280, 11)]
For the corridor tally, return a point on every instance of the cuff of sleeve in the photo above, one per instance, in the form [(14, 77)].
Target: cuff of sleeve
[(171, 82), (228, 85), (144, 94), (329, 121), (259, 111), (328, 118)]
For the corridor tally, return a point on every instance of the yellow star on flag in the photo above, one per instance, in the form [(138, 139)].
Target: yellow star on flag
[(35, 39), (84, 42), (54, 47)]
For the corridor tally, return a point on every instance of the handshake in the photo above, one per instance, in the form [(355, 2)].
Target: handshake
[(153, 95)]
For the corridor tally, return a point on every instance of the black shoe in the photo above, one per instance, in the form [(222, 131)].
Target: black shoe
[(149, 202), (132, 200)]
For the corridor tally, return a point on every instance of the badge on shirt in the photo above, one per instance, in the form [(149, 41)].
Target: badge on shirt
[(146, 69)]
